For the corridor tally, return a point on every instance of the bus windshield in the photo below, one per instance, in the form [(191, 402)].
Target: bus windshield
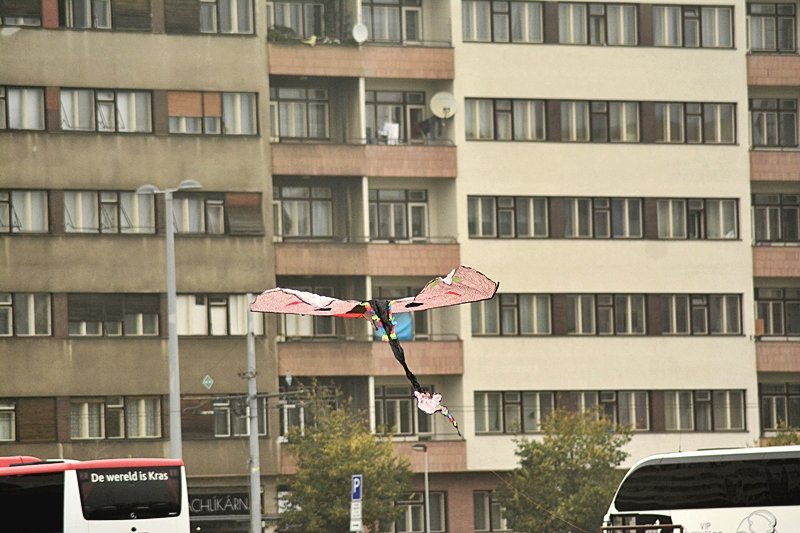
[(724, 482), (126, 493)]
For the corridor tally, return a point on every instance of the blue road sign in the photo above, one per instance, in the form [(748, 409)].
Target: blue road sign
[(357, 485)]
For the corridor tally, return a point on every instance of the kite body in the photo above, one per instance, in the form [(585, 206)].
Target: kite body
[(462, 285)]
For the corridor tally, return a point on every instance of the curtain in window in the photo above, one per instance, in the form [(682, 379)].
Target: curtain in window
[(26, 108)]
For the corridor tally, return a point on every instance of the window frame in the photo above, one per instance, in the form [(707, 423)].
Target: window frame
[(22, 117)]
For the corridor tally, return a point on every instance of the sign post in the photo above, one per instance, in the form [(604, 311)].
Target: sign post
[(356, 488)]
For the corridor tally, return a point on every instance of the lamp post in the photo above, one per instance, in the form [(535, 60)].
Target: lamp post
[(424, 448), (175, 438)]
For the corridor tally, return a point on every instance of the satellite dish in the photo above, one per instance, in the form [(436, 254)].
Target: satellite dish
[(360, 33), (443, 105)]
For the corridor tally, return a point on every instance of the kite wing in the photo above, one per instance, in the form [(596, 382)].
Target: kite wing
[(305, 303), (460, 286)]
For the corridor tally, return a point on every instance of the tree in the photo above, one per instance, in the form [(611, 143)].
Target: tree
[(565, 481), (338, 445)]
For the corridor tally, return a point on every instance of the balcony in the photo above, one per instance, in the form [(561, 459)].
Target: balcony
[(776, 261), (364, 259), (360, 358), (773, 70), (775, 165), (388, 62), (322, 159), (443, 457), (776, 356)]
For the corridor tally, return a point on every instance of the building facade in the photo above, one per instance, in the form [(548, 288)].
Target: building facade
[(626, 171)]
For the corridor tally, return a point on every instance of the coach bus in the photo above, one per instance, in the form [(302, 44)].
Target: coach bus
[(744, 490), (102, 496)]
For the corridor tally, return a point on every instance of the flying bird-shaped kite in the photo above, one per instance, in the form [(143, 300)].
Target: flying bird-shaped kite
[(462, 285)]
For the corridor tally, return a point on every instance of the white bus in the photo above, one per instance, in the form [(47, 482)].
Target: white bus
[(745, 490), (103, 496)]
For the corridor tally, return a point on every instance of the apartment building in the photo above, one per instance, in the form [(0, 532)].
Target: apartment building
[(627, 171)]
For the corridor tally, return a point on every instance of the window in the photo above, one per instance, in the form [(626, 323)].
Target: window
[(507, 217), (779, 309), (85, 14), (302, 113), (575, 121), (615, 122), (505, 120), (113, 315), (698, 218), (701, 314), (633, 410), (196, 113), (115, 417), (693, 27), (21, 108), (303, 211), (777, 217), (232, 417), (618, 218), (780, 406), (396, 412), (772, 27), (728, 411), (597, 24), (502, 21), (108, 212), (512, 314), (404, 111), (24, 314), (488, 514), (226, 16), (393, 21), (23, 212), (398, 214), (305, 18), (105, 110), (512, 412), (216, 315), (605, 314), (239, 114), (774, 122), (710, 123), (143, 417), (679, 410), (197, 213), (412, 518), (87, 419), (8, 424)]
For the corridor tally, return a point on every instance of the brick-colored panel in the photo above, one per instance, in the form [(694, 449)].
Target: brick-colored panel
[(425, 358), (773, 70), (316, 259), (776, 262), (413, 259), (398, 62), (774, 166), (778, 356), (353, 358), (363, 160), (443, 456)]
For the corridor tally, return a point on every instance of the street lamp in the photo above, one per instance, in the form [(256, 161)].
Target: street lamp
[(424, 448), (175, 439)]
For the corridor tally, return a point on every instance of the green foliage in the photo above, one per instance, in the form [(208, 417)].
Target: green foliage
[(786, 436), (566, 479), (337, 446)]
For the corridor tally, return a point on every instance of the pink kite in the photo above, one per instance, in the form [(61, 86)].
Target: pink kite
[(462, 285)]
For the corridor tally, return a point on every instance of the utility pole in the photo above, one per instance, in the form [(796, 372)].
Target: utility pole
[(252, 395)]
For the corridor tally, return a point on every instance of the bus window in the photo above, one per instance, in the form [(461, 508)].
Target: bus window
[(38, 499), (125, 493)]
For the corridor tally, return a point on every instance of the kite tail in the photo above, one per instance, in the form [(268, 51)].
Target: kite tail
[(382, 318), (446, 412)]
